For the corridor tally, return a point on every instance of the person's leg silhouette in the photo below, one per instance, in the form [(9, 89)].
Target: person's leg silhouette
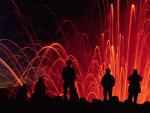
[(65, 91), (110, 93), (72, 90), (105, 94), (135, 98), (130, 96)]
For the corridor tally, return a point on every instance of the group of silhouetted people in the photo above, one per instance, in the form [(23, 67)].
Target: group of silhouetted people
[(38, 94), (107, 82), (69, 77)]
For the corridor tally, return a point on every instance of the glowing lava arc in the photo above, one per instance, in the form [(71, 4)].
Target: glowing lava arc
[(116, 38)]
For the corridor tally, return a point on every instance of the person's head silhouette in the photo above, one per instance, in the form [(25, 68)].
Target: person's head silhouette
[(41, 79), (107, 70), (135, 72), (69, 62)]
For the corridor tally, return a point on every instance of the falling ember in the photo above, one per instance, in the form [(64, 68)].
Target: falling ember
[(116, 38)]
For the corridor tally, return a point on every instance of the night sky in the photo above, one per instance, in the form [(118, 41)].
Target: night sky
[(11, 23), (35, 19)]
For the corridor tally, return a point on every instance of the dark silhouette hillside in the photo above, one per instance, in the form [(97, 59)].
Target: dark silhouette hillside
[(40, 102), (45, 104)]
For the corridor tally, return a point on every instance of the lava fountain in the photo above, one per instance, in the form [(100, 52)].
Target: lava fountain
[(118, 38)]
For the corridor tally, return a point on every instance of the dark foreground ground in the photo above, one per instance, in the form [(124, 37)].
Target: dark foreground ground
[(57, 105)]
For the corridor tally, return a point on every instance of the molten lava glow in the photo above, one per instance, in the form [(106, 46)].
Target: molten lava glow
[(121, 43)]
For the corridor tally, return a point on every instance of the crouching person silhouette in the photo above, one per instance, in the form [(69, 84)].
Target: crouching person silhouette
[(108, 82), (69, 77), (134, 86)]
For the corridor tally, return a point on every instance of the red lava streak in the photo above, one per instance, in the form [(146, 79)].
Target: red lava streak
[(121, 43)]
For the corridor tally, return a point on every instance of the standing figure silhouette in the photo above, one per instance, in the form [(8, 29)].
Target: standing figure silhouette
[(134, 86), (39, 91), (40, 87), (22, 95), (108, 82), (69, 77)]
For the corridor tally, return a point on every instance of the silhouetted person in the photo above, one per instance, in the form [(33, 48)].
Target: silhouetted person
[(69, 77), (40, 90), (108, 82), (40, 87), (134, 86), (22, 93)]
